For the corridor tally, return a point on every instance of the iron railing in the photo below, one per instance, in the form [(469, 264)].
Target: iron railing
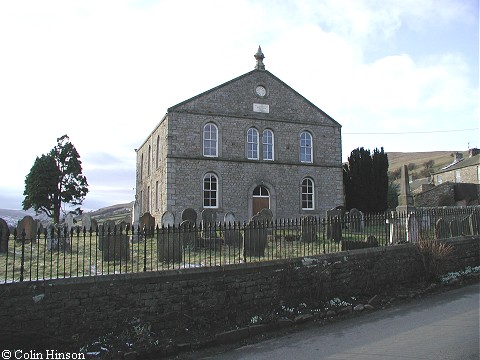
[(58, 253)]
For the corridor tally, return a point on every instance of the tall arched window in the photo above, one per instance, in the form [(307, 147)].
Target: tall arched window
[(141, 167), (210, 140), (308, 194), (157, 159), (252, 144), (306, 147), (267, 142), (149, 159), (210, 191)]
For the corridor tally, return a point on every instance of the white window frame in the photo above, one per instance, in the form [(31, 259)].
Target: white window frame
[(458, 176), (252, 144), (268, 145), (210, 140), (207, 199), (306, 150), (308, 191)]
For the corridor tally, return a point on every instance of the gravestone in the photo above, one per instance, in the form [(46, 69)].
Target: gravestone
[(465, 226), (28, 225), (168, 219), (355, 217), (209, 235), (334, 224), (371, 241), (105, 229), (442, 229), (308, 228), (4, 236), (147, 221), (135, 213), (69, 221), (58, 238), (231, 233), (256, 234), (87, 222), (170, 240), (189, 214), (115, 247), (425, 222), (413, 232)]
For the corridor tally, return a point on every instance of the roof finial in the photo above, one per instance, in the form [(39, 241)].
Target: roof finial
[(259, 57)]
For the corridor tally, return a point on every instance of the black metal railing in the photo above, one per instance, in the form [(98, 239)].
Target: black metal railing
[(57, 253)]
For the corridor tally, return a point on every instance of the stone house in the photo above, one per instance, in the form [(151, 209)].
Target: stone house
[(461, 170), (248, 144), (457, 184)]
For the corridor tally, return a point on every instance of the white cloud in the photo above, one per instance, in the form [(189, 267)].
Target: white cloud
[(105, 72)]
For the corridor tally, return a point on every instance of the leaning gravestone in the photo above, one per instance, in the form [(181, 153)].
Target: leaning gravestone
[(308, 228), (231, 233), (28, 225), (256, 234), (442, 229), (4, 236), (189, 215)]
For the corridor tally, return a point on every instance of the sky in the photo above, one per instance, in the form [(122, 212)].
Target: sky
[(397, 74)]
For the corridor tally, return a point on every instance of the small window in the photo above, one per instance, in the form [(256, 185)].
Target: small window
[(439, 179), (306, 147), (210, 140), (252, 144), (267, 143), (307, 194), (210, 191)]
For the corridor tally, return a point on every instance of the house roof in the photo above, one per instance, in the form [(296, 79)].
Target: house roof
[(466, 162)]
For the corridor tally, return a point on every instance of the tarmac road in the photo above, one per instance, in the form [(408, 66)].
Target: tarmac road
[(441, 326)]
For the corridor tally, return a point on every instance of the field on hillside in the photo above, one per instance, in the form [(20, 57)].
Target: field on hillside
[(440, 158)]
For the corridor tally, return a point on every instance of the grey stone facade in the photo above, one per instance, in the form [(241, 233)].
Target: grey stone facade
[(171, 164)]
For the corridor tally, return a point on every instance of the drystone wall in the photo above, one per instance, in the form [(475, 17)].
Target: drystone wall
[(174, 305)]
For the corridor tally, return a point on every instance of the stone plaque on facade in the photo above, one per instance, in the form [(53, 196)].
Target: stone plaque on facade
[(261, 108)]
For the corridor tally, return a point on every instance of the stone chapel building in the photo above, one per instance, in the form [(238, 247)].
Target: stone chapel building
[(248, 144)]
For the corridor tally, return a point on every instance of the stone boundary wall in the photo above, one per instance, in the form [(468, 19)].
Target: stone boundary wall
[(178, 304)]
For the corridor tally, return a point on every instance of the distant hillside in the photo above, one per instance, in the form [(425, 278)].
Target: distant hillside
[(117, 213), (441, 158)]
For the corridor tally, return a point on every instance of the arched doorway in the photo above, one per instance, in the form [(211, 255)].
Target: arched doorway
[(260, 199)]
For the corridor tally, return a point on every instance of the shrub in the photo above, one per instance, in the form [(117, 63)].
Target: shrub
[(434, 254)]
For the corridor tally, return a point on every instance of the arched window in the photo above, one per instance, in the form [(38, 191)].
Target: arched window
[(210, 191), (306, 147), (252, 144), (141, 168), (210, 140), (308, 194), (267, 142)]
